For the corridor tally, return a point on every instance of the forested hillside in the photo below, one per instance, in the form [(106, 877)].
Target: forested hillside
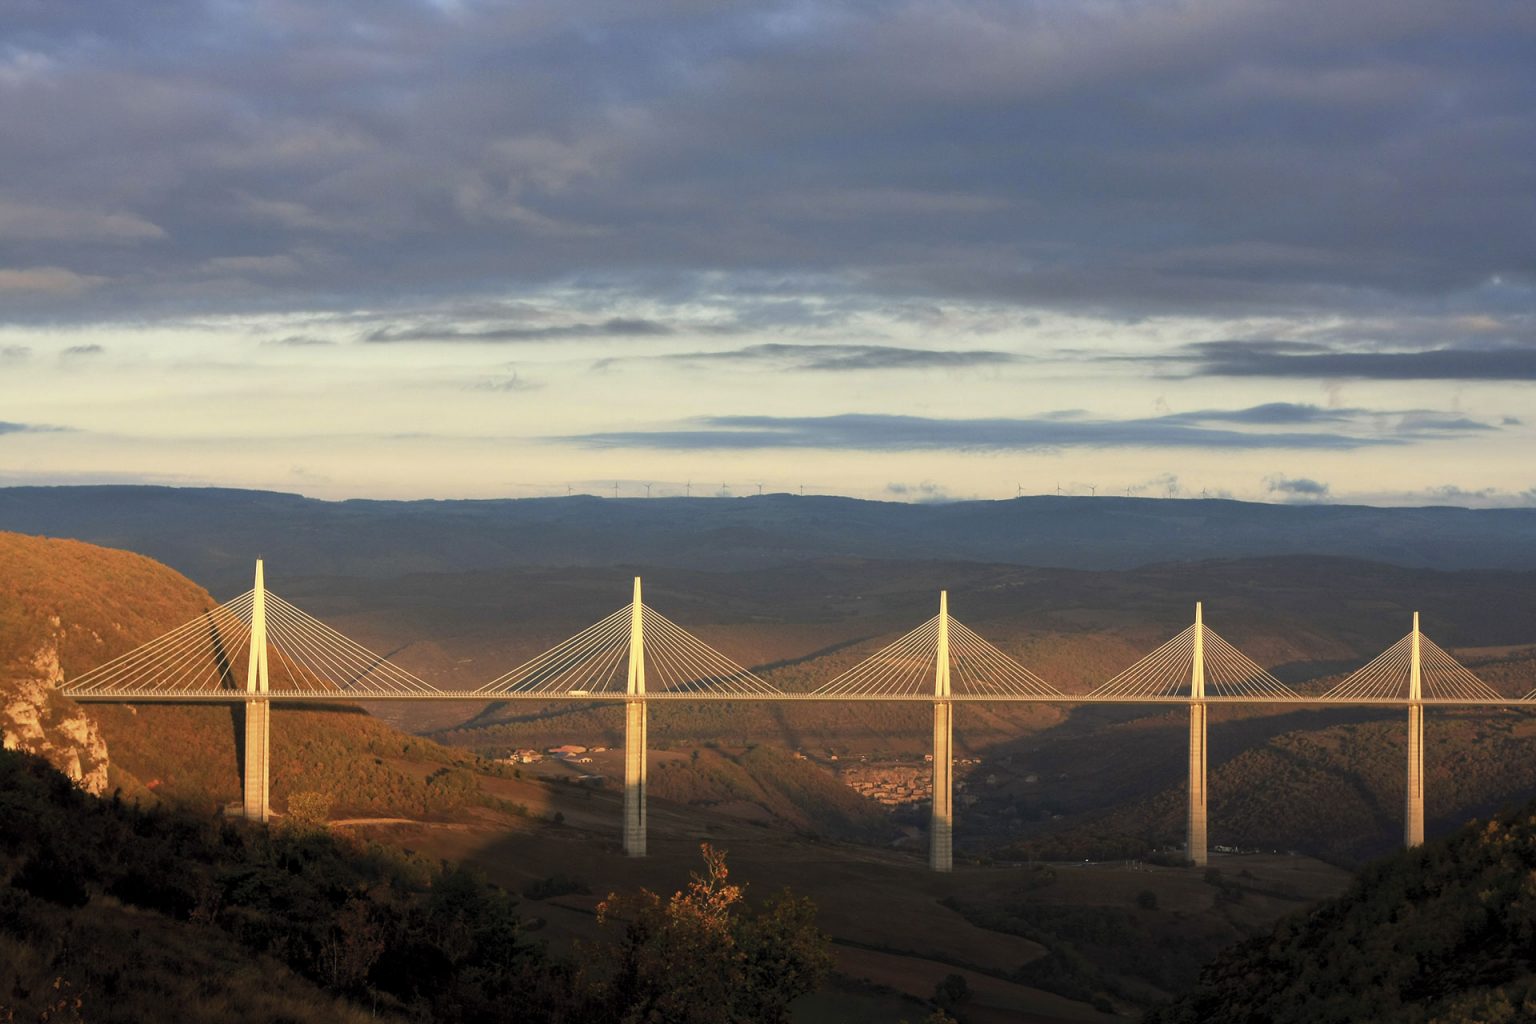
[(1444, 934), (110, 913)]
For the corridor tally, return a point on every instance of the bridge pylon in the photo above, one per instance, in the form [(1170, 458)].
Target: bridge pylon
[(941, 828), (1196, 845), (256, 802), (1413, 823), (635, 723)]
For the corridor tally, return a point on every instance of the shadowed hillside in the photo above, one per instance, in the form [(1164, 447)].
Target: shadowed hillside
[(1438, 934)]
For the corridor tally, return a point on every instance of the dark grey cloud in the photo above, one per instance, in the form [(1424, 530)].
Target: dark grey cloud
[(1291, 359), (926, 492), (15, 352), (30, 428), (84, 350), (507, 382), (1297, 488), (836, 358), (869, 432), (298, 341), (191, 156), (1409, 424), (1270, 414), (614, 327)]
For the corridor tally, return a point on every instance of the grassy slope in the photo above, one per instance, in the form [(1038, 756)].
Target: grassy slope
[(96, 603)]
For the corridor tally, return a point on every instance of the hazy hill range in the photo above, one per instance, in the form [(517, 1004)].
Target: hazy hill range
[(213, 534)]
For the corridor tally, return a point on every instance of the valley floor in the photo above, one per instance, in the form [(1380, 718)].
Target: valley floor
[(898, 929)]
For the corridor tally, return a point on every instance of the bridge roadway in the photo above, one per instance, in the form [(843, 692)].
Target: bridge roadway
[(661, 696)]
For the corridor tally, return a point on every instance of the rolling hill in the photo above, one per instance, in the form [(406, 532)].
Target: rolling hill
[(213, 534)]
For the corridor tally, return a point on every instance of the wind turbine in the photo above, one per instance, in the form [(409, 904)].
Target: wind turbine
[(647, 490)]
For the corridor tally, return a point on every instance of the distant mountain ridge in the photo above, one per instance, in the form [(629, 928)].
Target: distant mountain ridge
[(212, 534)]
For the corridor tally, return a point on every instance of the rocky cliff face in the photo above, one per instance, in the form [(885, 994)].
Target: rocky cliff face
[(35, 717)]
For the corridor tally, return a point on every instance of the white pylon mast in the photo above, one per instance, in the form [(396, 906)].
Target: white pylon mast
[(1415, 671), (256, 785), (635, 727), (256, 680), (1197, 673), (1195, 835), (636, 685), (942, 822)]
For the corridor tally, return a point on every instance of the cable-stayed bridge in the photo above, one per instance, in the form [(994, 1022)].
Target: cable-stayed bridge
[(638, 657)]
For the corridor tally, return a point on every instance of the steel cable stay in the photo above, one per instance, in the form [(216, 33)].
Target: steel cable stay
[(1231, 673), (905, 666), (206, 656), (332, 659), (979, 668), (197, 656), (1168, 672), (169, 662), (1388, 677), (688, 665), (584, 663)]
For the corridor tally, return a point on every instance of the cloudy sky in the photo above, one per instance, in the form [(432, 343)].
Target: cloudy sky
[(1283, 251)]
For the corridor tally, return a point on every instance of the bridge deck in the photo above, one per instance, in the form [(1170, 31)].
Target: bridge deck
[(658, 697)]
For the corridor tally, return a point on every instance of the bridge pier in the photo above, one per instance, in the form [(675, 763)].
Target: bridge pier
[(1413, 833), (941, 830), (635, 725), (1196, 844), (941, 826), (256, 802), (1413, 824), (256, 784), (634, 778)]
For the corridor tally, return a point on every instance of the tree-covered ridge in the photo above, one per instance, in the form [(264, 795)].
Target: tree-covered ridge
[(93, 603), (109, 912), (1443, 934)]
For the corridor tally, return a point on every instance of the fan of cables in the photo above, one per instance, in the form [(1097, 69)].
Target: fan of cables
[(596, 662), (210, 655), (909, 667), (1168, 672), (1387, 676)]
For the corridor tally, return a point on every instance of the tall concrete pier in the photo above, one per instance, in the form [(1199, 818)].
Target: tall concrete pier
[(941, 831), (634, 734), (1196, 844)]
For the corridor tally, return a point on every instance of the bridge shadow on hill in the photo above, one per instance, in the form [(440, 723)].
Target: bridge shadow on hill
[(1122, 768)]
